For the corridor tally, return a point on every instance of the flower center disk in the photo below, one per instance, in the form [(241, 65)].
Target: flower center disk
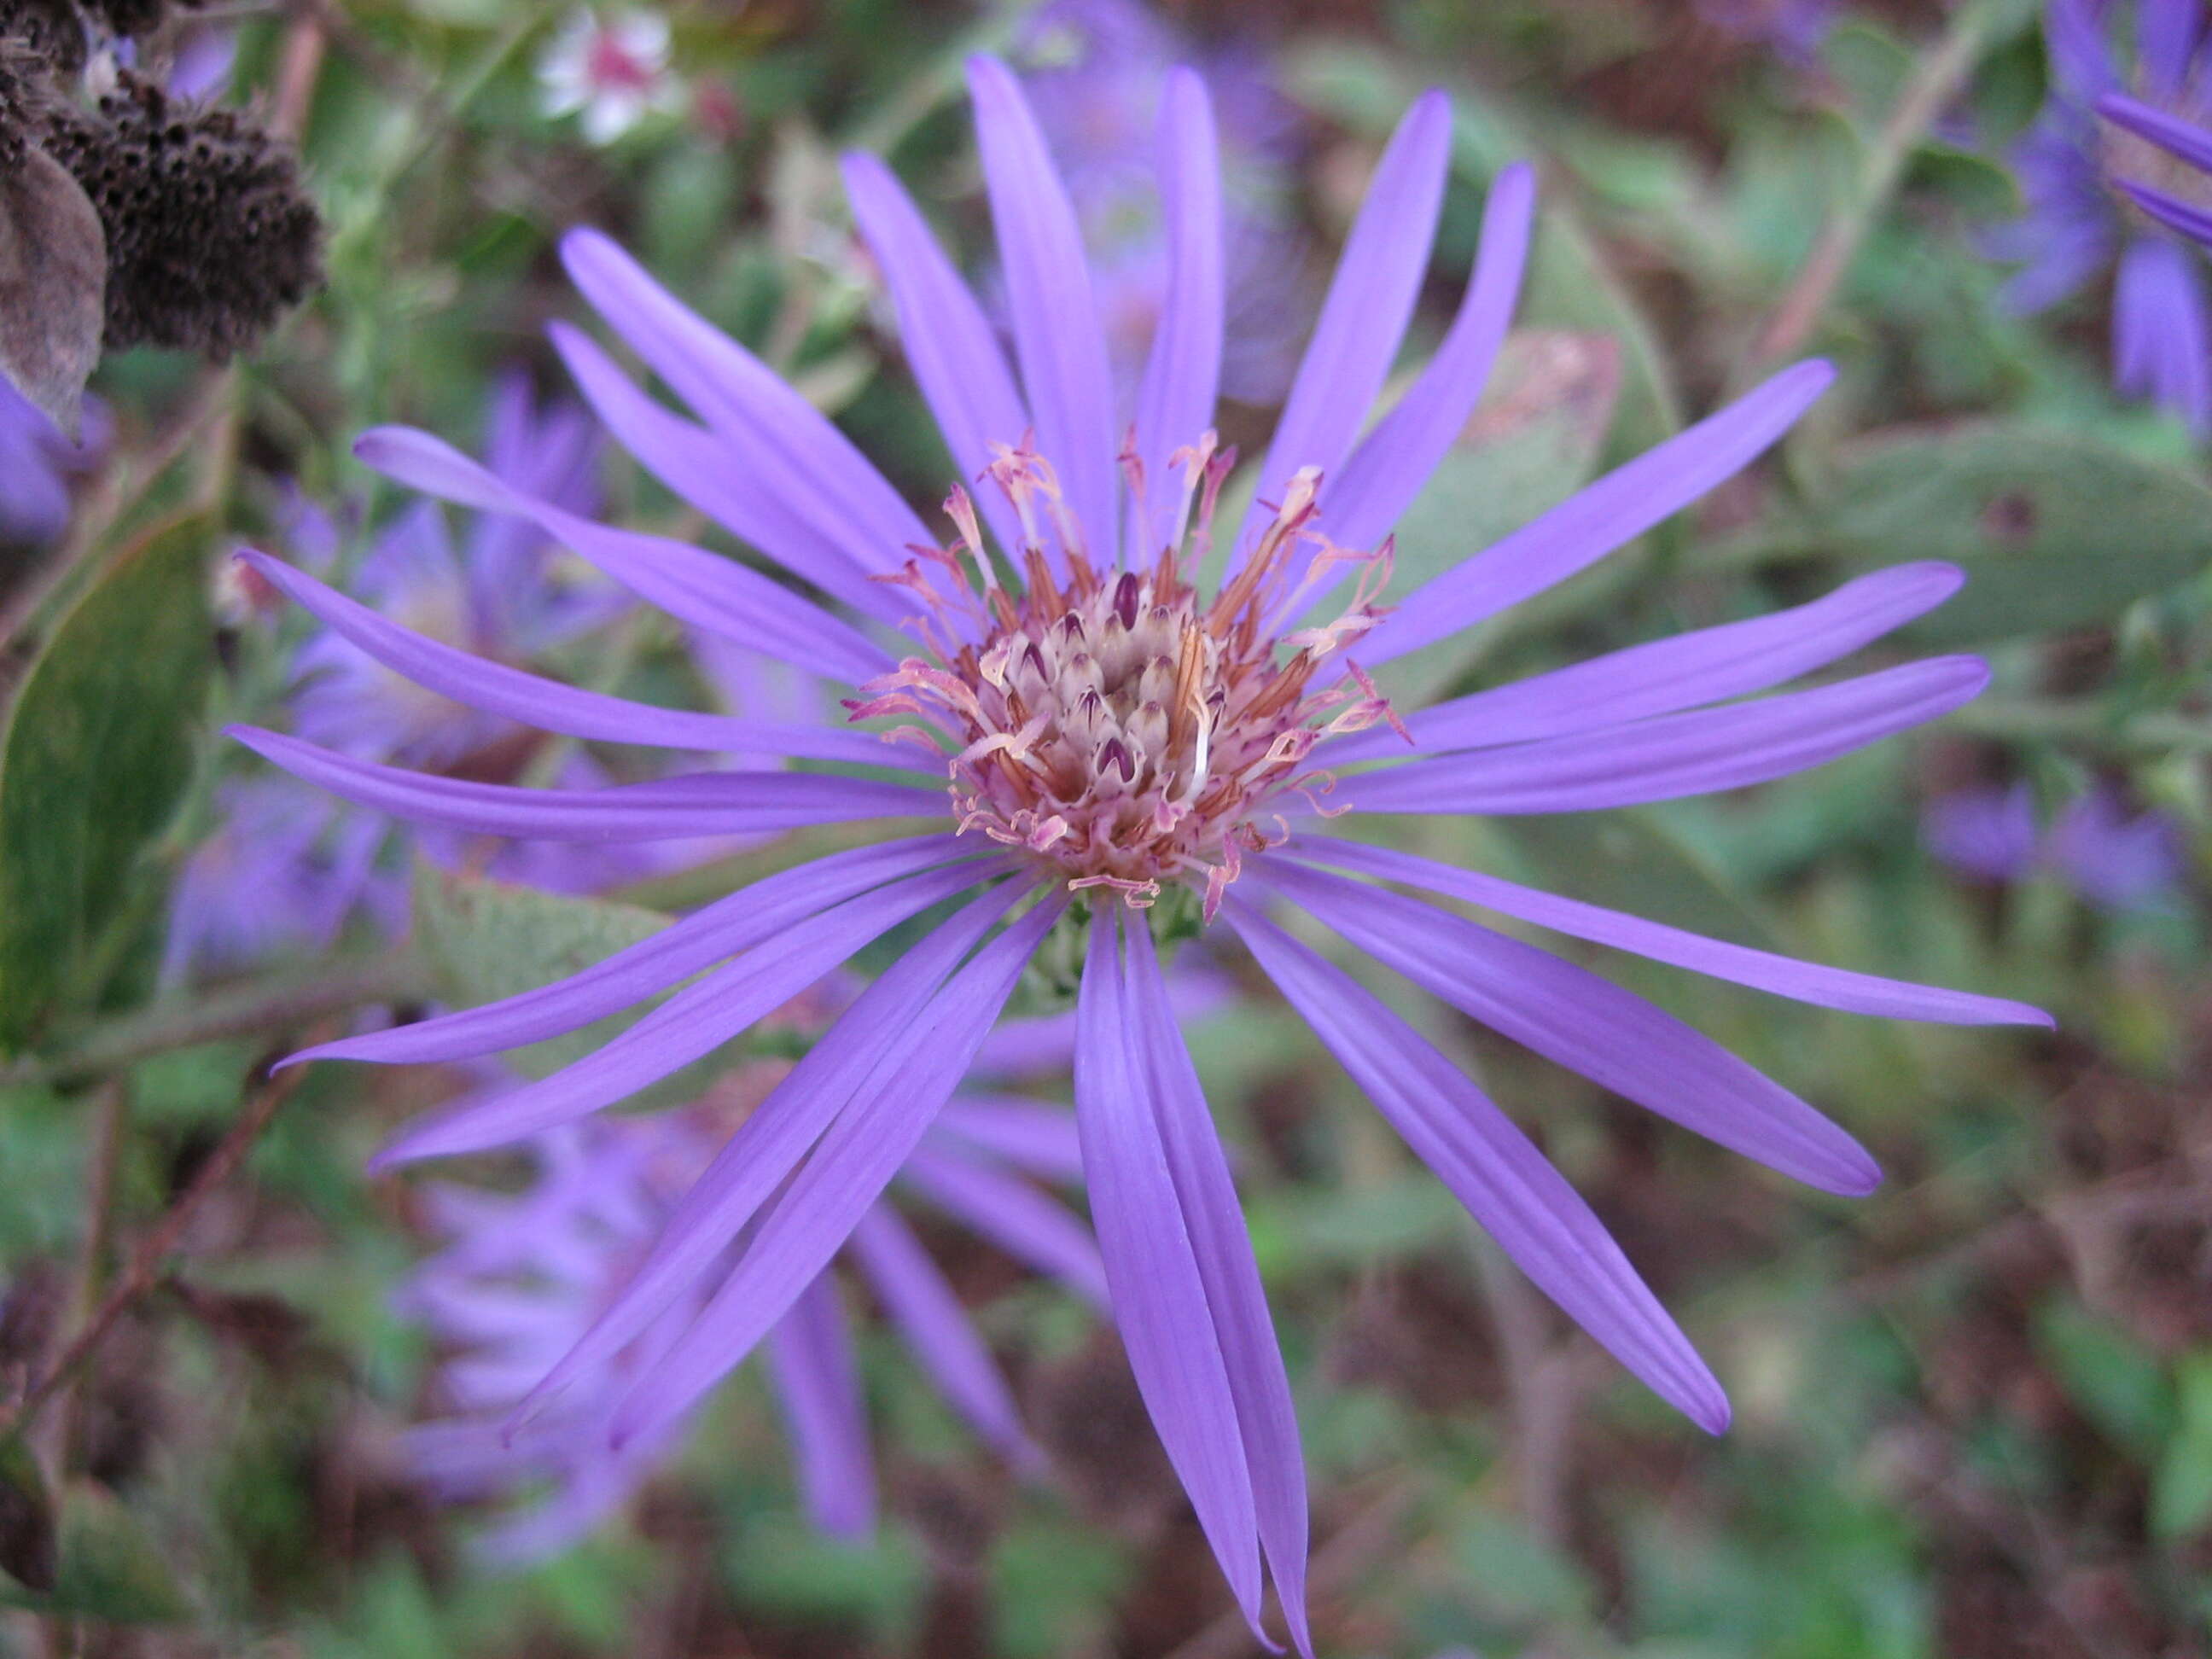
[(1117, 724)]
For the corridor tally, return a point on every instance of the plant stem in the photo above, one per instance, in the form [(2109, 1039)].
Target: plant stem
[(1933, 85), (145, 1266), (263, 1005)]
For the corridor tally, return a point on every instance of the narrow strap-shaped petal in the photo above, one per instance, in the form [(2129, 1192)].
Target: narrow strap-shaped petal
[(1183, 375), (2160, 345), (2166, 41), (1057, 337), (1015, 1215), (550, 706), (1215, 1221), (1593, 522), (1588, 1024), (770, 1143), (736, 923), (703, 467), (1802, 982), (2185, 139), (792, 449), (937, 1327), (1371, 300), (1030, 1135), (1708, 665), (1393, 462), (2172, 211), (695, 587), (2075, 32), (696, 803), (817, 1384), (690, 1023), (950, 344), (1151, 1268), (1672, 755), (842, 1178), (1490, 1167)]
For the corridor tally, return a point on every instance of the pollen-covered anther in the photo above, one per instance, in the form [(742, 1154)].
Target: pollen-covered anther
[(1114, 723)]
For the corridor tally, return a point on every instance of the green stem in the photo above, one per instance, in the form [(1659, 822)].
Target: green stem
[(1933, 86), (267, 1004)]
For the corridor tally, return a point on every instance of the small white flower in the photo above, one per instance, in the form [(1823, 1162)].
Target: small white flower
[(614, 71)]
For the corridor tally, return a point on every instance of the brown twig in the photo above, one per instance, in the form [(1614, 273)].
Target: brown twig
[(1933, 84), (144, 1270)]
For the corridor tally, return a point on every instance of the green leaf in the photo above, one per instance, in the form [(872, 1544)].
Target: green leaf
[(109, 1569), (483, 941), (1533, 441), (98, 750), (2117, 1383), (2181, 1487), (1634, 862), (27, 1519), (2055, 531)]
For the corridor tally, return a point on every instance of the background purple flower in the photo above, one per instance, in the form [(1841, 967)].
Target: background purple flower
[(2108, 857), (35, 463), (1094, 70), (2073, 167), (524, 1275)]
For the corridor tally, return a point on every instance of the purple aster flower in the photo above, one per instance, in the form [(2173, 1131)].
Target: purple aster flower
[(1986, 833), (1129, 734), (523, 1276), (284, 868), (2109, 858), (2175, 183), (35, 462), (501, 595), (2084, 169), (1096, 69)]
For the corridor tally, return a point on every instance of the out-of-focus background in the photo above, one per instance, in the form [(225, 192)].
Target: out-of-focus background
[(1974, 1410)]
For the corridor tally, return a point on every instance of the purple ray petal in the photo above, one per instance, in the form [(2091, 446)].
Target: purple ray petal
[(1393, 462), (1151, 1268), (1670, 756), (2171, 211), (2162, 346), (1215, 1221), (949, 343), (710, 593), (2169, 132), (1183, 376), (696, 803), (1592, 523), (693, 1022), (817, 1384), (736, 923), (1056, 333), (1012, 1214), (1803, 981), (1588, 1024), (770, 1143), (1521, 1200), (2074, 31), (2166, 41), (1708, 665), (1371, 300), (1030, 1135), (841, 1179), (791, 449), (703, 467), (552, 707), (944, 1339)]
